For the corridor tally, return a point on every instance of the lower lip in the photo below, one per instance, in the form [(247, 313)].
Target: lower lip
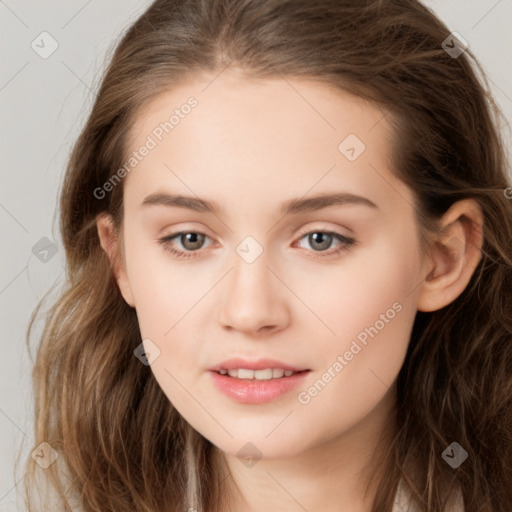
[(256, 391)]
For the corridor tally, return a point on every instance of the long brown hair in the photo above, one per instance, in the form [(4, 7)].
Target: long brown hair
[(122, 446)]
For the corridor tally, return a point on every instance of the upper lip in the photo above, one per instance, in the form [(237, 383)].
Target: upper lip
[(259, 364)]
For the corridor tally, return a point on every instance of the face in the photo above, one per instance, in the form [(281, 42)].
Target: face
[(257, 266)]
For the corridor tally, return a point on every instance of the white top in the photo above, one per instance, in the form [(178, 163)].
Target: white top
[(403, 504)]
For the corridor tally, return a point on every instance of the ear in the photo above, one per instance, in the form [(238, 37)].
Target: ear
[(456, 252), (111, 244)]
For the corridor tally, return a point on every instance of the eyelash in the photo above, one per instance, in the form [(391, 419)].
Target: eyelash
[(347, 242)]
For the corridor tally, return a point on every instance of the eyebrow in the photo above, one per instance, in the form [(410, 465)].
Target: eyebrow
[(293, 206)]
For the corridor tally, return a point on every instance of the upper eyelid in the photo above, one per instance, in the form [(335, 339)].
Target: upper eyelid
[(323, 230), (301, 232)]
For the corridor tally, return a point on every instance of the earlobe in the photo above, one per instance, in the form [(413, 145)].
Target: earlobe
[(454, 256), (110, 243)]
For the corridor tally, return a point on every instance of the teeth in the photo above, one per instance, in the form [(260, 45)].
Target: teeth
[(267, 374)]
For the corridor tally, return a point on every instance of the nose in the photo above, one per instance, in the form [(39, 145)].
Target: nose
[(254, 299)]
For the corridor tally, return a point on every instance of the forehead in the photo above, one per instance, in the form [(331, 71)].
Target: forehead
[(232, 102), (258, 136)]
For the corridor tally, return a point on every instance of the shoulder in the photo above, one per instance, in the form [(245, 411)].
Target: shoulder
[(403, 502)]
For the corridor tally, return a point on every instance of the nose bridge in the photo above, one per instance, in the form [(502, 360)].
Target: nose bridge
[(254, 297), (250, 272)]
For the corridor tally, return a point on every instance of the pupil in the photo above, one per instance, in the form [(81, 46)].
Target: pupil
[(317, 238), (195, 239)]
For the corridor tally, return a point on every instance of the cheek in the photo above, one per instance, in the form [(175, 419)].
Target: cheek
[(373, 320), (370, 305), (358, 377), (352, 294), (167, 297), (163, 289)]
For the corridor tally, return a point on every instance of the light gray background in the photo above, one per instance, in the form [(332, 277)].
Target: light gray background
[(43, 105)]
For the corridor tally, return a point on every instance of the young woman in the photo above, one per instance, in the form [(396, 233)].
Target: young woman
[(287, 227)]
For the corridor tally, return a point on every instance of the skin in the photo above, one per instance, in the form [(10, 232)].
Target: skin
[(251, 146)]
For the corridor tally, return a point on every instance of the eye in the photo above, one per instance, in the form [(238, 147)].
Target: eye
[(191, 241), (320, 240)]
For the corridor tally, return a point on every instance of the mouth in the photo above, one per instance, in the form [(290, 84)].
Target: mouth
[(259, 375), (257, 386), (258, 381)]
